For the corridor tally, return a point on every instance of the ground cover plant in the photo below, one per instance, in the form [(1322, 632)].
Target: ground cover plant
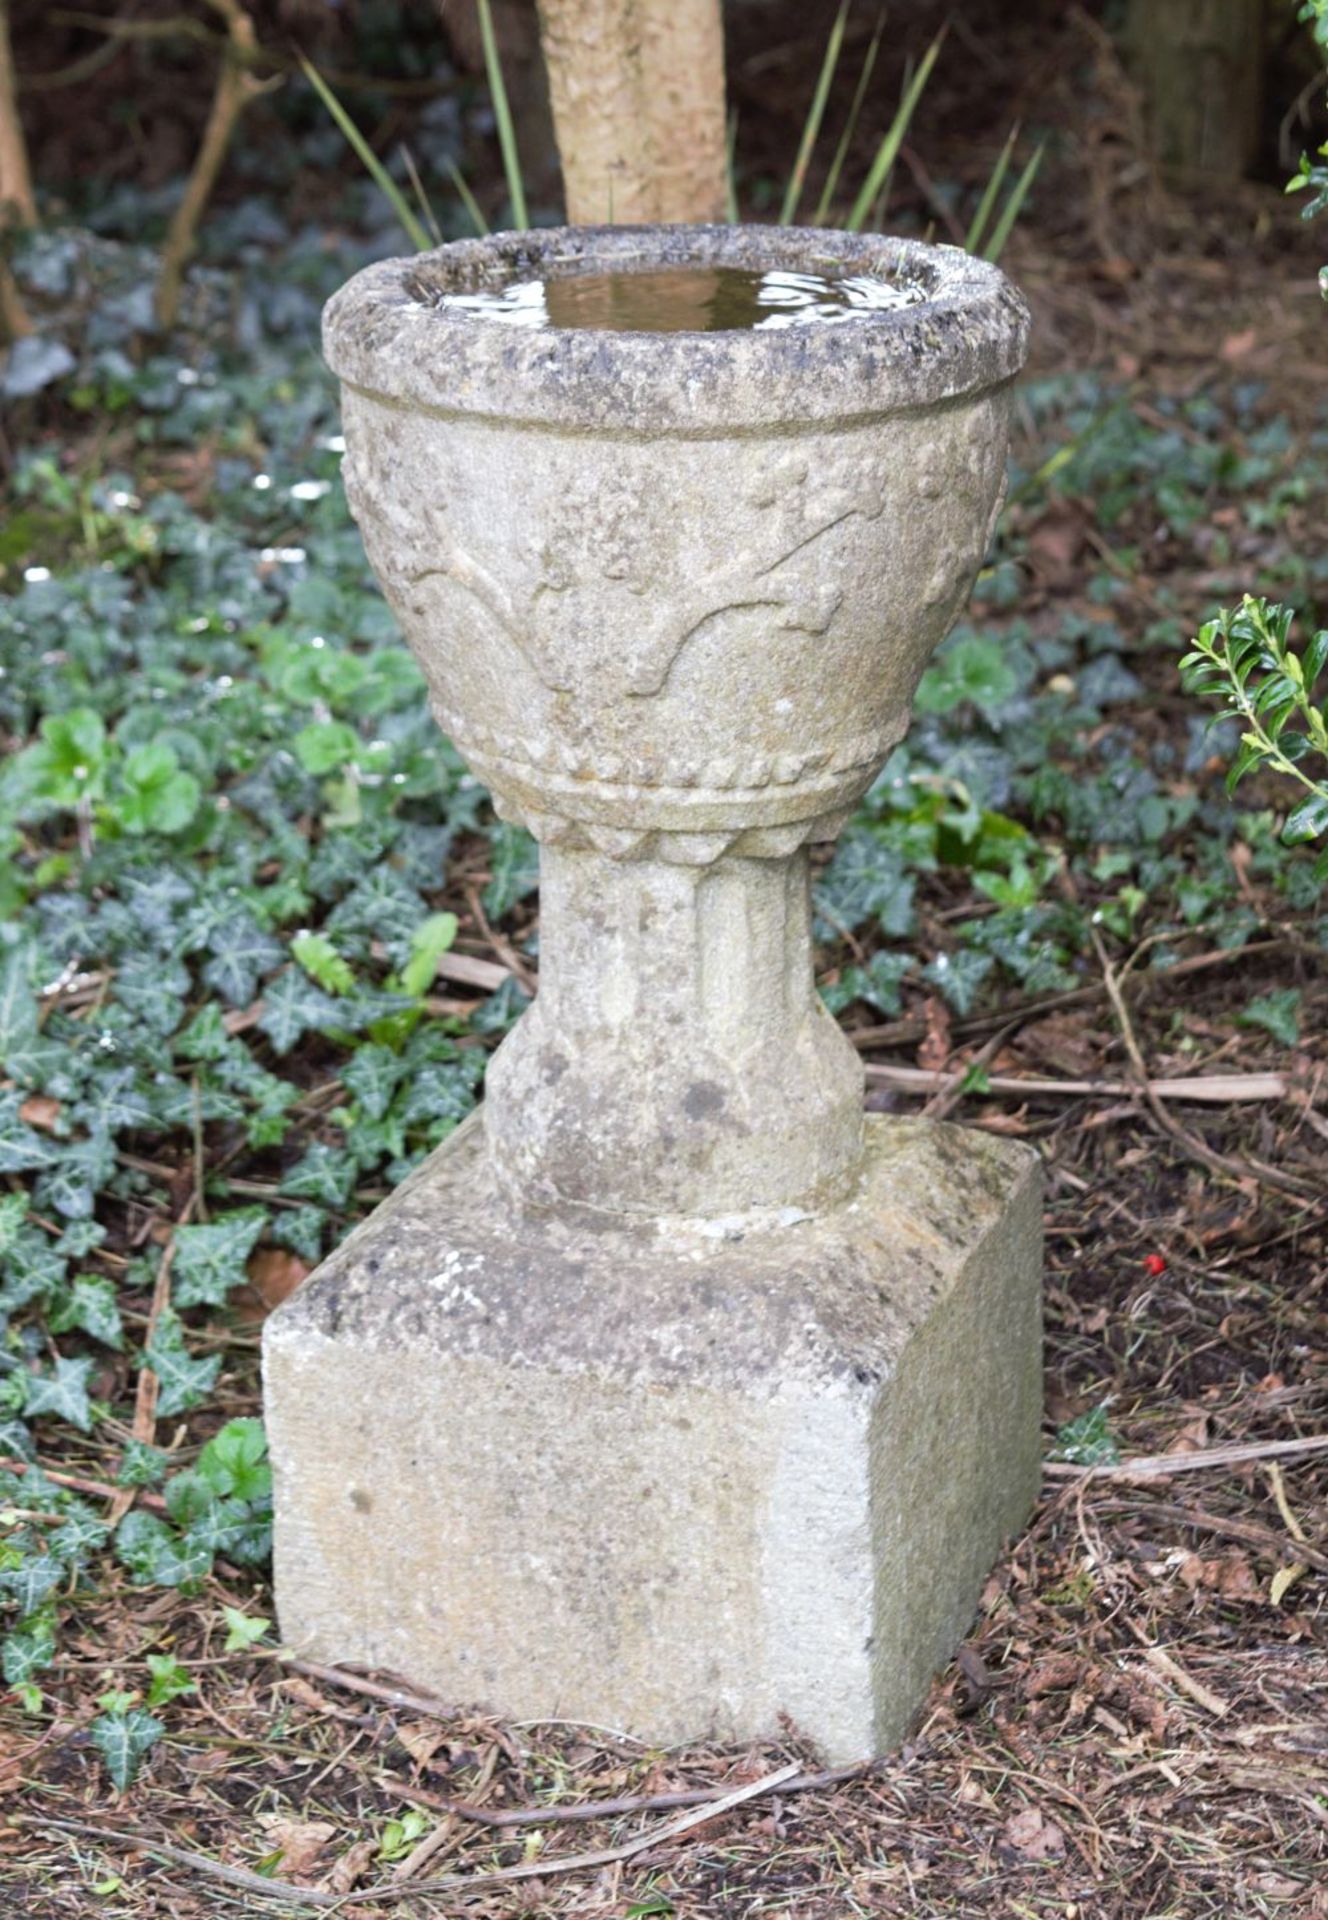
[(260, 932)]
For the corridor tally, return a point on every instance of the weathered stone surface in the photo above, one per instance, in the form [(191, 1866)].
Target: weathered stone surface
[(674, 1477), (672, 594), (664, 1395)]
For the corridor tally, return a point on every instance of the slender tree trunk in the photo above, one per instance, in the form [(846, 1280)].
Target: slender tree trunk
[(18, 206), (638, 103), (1200, 66)]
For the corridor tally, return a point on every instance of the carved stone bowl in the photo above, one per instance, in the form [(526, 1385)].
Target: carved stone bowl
[(673, 592)]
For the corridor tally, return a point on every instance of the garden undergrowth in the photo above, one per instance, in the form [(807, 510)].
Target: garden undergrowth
[(261, 927)]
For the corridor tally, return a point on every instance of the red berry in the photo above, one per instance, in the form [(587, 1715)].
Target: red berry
[(1154, 1265)]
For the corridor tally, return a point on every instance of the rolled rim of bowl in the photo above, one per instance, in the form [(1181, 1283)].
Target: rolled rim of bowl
[(386, 334)]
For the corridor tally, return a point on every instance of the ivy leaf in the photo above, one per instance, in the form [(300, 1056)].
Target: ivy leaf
[(242, 1630), (326, 1174), (91, 1305), (371, 1076), (169, 1679), (325, 745), (1276, 1013), (210, 1261), (123, 1737), (300, 1229), (182, 1382), (159, 1556), (70, 1187), (865, 881), (27, 1650), (293, 1005), (969, 667), (13, 1213), (32, 1583), (61, 1390), (18, 1003), (22, 1148), (239, 952), (513, 869), (959, 975)]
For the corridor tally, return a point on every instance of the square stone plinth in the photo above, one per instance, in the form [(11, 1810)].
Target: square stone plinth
[(677, 1480)]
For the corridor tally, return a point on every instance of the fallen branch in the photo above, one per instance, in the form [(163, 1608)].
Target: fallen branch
[(1243, 1172), (1216, 1089), (101, 1489), (1248, 1532), (372, 1689), (581, 1811), (255, 1883), (1151, 1466), (902, 1032)]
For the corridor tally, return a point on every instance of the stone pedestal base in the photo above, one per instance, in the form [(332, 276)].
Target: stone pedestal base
[(673, 1479)]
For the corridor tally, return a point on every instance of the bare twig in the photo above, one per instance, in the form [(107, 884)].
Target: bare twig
[(1248, 1532), (256, 1884), (1243, 1171), (1159, 1466), (145, 1397), (372, 1689), (581, 1811), (77, 1483), (203, 1863), (1217, 1089), (236, 86)]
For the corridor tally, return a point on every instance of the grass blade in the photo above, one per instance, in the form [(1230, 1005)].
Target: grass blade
[(815, 114), (850, 128), (368, 159), (978, 225), (421, 197), (730, 175), (1013, 207), (502, 113), (467, 198), (887, 152)]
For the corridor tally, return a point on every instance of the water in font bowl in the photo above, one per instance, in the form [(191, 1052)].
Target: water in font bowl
[(686, 299)]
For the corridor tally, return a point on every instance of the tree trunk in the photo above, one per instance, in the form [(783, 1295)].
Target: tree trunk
[(1200, 65), (638, 103), (18, 207)]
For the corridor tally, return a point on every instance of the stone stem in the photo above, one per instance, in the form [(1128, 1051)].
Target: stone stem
[(678, 1058)]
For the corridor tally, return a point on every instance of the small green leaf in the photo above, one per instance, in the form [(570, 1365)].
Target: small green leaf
[(210, 1261), (1277, 1013), (1088, 1440), (124, 1736), (62, 1390), (323, 963), (169, 1679), (1308, 820), (429, 942), (159, 796), (242, 1631)]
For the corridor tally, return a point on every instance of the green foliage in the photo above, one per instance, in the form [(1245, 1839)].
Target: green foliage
[(124, 1735), (1088, 1440), (1311, 176), (1244, 660)]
